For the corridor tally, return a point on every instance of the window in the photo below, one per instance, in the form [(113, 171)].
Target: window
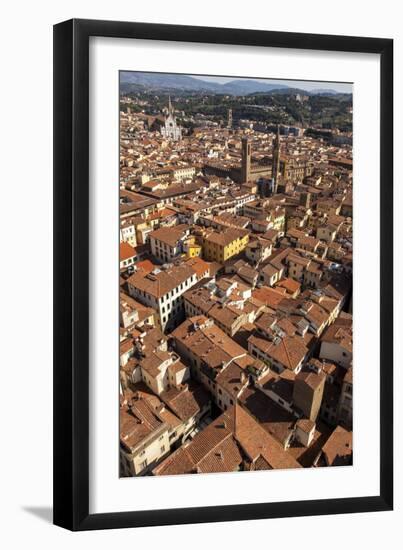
[(163, 449), (144, 464)]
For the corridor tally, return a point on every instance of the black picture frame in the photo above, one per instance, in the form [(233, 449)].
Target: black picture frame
[(71, 274)]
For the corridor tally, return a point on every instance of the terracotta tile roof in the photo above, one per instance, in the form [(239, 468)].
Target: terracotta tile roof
[(306, 455), (169, 235), (164, 281), (152, 362), (179, 462), (199, 266), (226, 315), (290, 285), (269, 296), (126, 251), (134, 201), (339, 333), (150, 338), (224, 458), (200, 298), (257, 442), (338, 449), (187, 401), (212, 449), (146, 266), (205, 340), (230, 219), (310, 378), (271, 417), (280, 384), (137, 421), (261, 464), (125, 346), (288, 351), (225, 236), (231, 379)]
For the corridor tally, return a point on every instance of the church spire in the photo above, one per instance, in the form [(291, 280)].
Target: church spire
[(171, 130)]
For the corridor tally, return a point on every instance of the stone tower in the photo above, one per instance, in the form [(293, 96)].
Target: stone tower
[(305, 199), (308, 392), (229, 120), (246, 160), (276, 160)]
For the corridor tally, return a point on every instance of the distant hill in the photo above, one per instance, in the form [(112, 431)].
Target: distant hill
[(160, 80), (325, 91), (137, 81), (245, 87)]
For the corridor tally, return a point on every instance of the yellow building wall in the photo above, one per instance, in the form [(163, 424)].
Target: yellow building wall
[(220, 253), (194, 251)]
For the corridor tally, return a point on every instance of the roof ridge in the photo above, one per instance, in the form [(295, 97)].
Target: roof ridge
[(229, 434), (286, 351)]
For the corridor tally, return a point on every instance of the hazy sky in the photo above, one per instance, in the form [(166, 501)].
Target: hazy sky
[(303, 84)]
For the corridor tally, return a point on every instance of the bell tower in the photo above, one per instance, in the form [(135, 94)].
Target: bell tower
[(276, 160), (246, 160), (229, 119)]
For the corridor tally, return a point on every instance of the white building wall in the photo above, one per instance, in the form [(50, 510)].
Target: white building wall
[(335, 353), (152, 453)]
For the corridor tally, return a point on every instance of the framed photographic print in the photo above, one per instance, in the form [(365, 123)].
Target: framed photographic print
[(209, 303)]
